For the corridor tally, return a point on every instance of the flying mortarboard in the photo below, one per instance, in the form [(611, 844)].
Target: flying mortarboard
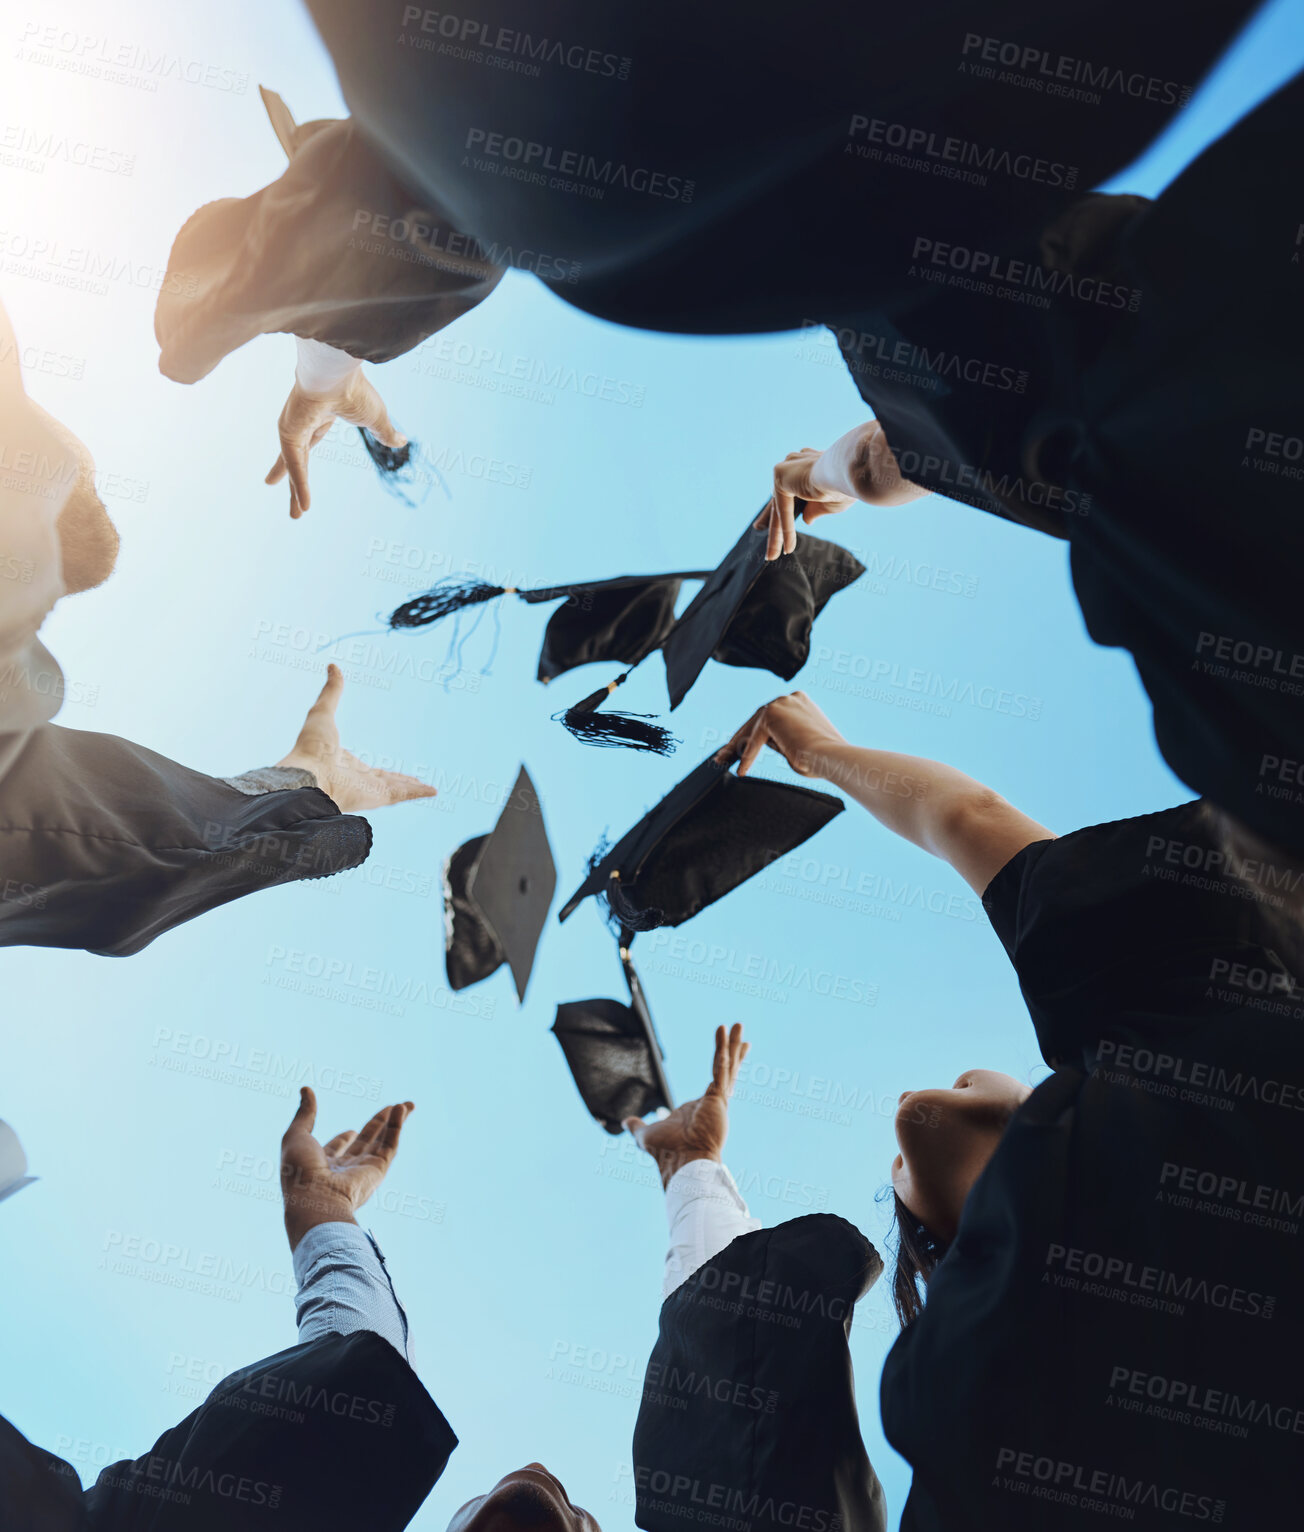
[(748, 613), (13, 1163), (710, 833), (614, 1054), (497, 890)]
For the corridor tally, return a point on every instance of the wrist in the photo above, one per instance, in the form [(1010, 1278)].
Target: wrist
[(823, 758), (304, 1210), (670, 1163)]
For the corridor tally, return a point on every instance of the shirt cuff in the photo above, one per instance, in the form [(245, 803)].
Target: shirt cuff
[(344, 1287), (831, 471), (323, 1238), (705, 1212), (320, 368), (270, 779)]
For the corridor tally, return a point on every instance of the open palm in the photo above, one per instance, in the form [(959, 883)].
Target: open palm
[(696, 1130), (339, 1175), (353, 784)]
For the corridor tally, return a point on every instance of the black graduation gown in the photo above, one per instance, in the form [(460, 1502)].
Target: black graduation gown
[(748, 1412), (665, 171), (332, 1435), (1163, 440), (105, 845), (1116, 1330)]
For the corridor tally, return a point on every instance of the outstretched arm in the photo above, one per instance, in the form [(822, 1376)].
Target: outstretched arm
[(344, 1285), (927, 802), (704, 1208)]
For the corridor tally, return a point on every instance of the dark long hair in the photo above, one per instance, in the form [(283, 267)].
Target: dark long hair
[(917, 1252)]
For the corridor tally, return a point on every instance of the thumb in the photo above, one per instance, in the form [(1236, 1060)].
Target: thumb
[(386, 432), (306, 1115), (636, 1127), (332, 690)]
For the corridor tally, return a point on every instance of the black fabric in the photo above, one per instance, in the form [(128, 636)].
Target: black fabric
[(1116, 1328), (771, 628), (748, 1410), (1079, 420), (695, 248), (707, 617), (497, 889), (38, 1491), (335, 1433), (108, 844), (609, 1055), (617, 621), (304, 256), (1133, 917), (711, 832), (471, 950)]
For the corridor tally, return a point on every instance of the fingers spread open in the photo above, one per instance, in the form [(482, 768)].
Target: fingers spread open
[(370, 1135)]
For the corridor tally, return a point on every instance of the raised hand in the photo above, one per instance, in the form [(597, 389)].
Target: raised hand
[(327, 1183), (697, 1129), (353, 785), (794, 726), (307, 417), (793, 482)]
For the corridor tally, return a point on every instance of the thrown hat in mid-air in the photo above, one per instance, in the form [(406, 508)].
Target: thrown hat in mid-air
[(748, 613), (13, 1163), (497, 890), (710, 833), (614, 1054)]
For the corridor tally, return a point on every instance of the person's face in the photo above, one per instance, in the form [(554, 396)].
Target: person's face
[(528, 1499), (946, 1139), (88, 540)]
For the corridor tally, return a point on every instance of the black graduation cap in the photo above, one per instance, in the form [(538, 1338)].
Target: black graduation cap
[(710, 833), (614, 1054), (748, 613), (497, 890)]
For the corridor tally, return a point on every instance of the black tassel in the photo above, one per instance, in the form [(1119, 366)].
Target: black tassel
[(397, 470), (591, 727), (442, 600), (388, 460), (627, 729)]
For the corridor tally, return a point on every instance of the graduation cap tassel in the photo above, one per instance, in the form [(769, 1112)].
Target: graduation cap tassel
[(591, 727), (388, 460), (442, 600)]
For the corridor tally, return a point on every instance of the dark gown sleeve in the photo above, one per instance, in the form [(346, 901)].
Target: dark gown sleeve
[(38, 1491), (1124, 929), (333, 1435), (748, 1412), (105, 845), (336, 250)]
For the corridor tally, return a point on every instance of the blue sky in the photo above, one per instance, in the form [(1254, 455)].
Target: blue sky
[(151, 1093)]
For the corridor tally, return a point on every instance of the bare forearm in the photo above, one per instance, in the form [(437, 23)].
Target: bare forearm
[(914, 797)]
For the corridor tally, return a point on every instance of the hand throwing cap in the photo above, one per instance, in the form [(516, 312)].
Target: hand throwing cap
[(706, 836), (497, 890)]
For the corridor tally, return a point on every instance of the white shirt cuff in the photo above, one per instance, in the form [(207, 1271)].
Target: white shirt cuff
[(831, 471), (706, 1212), (320, 368)]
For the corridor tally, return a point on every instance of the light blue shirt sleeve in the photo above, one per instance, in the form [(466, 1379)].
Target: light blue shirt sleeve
[(344, 1287)]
